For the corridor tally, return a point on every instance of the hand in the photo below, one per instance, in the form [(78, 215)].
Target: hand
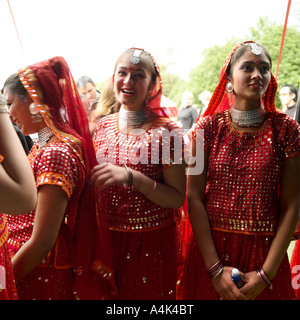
[(253, 285), (226, 288), (107, 174)]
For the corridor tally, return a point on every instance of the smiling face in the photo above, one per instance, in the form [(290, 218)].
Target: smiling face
[(19, 112), (132, 82), (250, 77)]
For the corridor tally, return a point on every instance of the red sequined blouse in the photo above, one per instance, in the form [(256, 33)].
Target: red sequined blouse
[(53, 164), (244, 171), (149, 152)]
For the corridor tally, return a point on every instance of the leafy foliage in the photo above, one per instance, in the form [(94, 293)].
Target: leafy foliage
[(205, 76)]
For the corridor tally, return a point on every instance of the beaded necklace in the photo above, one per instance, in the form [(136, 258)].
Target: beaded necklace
[(248, 118), (44, 136)]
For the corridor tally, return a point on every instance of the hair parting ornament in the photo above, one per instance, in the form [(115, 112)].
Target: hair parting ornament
[(254, 49), (135, 58)]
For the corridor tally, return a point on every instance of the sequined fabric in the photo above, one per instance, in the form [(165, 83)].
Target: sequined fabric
[(54, 164), (9, 292), (144, 235), (242, 203), (8, 289), (244, 172), (149, 153)]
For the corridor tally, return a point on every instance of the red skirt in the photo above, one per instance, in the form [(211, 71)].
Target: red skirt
[(145, 263), (295, 269), (47, 283), (245, 252), (10, 291)]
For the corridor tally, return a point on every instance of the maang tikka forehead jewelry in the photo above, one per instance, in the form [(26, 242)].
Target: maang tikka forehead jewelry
[(135, 59), (254, 49)]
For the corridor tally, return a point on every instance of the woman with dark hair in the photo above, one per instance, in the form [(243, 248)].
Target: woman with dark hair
[(17, 196), (59, 249), (243, 207)]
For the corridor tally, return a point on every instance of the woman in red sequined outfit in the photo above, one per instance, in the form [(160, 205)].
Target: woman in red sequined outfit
[(57, 250), (243, 206), (17, 196), (142, 176)]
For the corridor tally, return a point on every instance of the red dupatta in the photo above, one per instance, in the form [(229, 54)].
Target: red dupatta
[(52, 88)]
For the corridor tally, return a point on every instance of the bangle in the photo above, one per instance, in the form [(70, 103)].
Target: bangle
[(215, 270), (153, 188), (130, 176), (262, 276)]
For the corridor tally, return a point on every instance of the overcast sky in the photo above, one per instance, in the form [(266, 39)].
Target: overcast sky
[(91, 34)]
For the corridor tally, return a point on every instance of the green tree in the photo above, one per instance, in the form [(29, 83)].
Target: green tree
[(269, 34), (205, 76)]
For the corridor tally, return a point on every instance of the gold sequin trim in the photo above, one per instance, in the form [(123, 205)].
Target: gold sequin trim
[(245, 226), (3, 232), (55, 179)]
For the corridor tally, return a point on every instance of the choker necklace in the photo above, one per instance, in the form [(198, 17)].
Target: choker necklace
[(249, 118), (133, 118), (44, 136)]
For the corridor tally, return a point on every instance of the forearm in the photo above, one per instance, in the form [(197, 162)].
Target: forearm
[(28, 258), (49, 214), (162, 194), (285, 230), (202, 232), (289, 208)]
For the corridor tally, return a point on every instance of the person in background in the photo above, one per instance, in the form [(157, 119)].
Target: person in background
[(142, 178), (17, 196), (90, 96), (107, 103), (187, 113), (244, 206), (59, 249), (204, 97), (288, 99), (26, 141)]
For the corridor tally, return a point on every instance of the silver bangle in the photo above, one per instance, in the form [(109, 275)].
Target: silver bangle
[(217, 273)]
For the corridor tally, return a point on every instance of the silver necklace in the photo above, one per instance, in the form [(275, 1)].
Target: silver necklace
[(133, 118), (44, 136), (249, 118)]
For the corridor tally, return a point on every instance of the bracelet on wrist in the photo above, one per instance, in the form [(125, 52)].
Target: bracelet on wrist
[(215, 270), (262, 276), (152, 189), (130, 176)]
